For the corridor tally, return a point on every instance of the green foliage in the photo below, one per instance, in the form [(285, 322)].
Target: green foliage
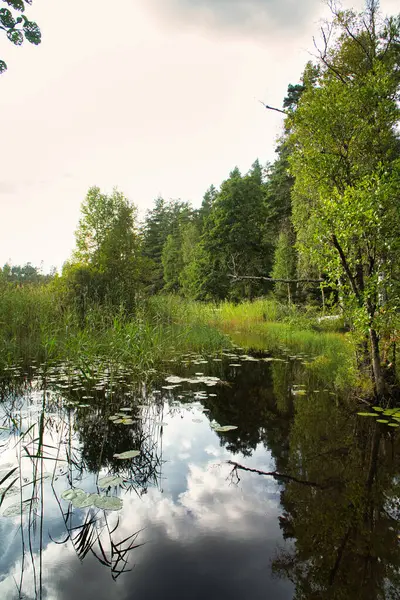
[(165, 219), (18, 28), (233, 239), (107, 264), (23, 274), (345, 151), (285, 261)]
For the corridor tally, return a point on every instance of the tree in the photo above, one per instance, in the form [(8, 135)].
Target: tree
[(233, 237), (345, 160), (172, 262), (108, 248), (285, 261), (18, 28), (166, 218)]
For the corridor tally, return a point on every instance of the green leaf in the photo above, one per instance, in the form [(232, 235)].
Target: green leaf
[(109, 481), (16, 509), (6, 18), (17, 4), (224, 428), (72, 493), (32, 32), (393, 425), (108, 502), (127, 454), (378, 408), (15, 36), (367, 414), (82, 500), (382, 421)]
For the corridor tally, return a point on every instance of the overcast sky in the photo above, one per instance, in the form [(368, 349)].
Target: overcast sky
[(157, 97)]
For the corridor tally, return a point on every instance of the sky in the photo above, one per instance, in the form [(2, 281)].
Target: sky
[(159, 97)]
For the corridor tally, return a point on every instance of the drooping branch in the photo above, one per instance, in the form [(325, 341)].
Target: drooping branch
[(275, 474), (275, 280)]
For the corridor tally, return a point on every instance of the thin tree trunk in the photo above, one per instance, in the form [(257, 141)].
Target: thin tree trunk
[(376, 363)]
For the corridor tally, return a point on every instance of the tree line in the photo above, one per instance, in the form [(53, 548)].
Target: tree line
[(320, 224)]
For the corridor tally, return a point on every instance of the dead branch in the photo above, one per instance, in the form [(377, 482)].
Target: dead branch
[(273, 108), (275, 280), (275, 474)]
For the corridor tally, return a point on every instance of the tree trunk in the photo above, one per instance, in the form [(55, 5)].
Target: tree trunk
[(376, 364)]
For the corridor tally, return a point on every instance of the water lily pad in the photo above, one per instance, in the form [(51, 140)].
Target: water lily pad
[(367, 414), (382, 421), (10, 491), (82, 500), (393, 425), (109, 481), (378, 408), (127, 454), (108, 502), (16, 509), (69, 494), (224, 428)]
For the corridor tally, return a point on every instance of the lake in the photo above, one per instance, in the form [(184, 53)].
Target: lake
[(236, 475)]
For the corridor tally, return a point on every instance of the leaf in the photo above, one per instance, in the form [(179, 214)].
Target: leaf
[(82, 500), (16, 509), (393, 425), (224, 428), (127, 454), (15, 36), (367, 414), (72, 493), (108, 502), (382, 421), (32, 32), (109, 481), (378, 408), (6, 18), (17, 4)]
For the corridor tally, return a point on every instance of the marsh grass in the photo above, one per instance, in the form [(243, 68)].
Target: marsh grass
[(37, 324)]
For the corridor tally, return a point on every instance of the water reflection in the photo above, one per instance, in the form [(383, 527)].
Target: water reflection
[(300, 501)]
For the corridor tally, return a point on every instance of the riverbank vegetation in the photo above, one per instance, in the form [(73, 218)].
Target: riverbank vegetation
[(304, 251)]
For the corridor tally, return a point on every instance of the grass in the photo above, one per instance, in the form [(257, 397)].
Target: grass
[(36, 323)]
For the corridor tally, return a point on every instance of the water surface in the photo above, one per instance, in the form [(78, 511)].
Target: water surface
[(195, 513)]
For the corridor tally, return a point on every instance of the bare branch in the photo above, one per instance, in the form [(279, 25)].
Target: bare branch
[(272, 108), (275, 474)]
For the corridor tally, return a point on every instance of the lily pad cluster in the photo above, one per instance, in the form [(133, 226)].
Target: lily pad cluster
[(387, 416), (209, 381), (81, 499)]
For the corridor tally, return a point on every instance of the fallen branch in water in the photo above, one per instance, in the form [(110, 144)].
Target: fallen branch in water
[(275, 474)]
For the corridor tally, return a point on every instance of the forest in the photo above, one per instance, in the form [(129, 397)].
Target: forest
[(312, 238)]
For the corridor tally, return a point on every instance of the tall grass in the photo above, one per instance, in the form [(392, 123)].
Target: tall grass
[(37, 323)]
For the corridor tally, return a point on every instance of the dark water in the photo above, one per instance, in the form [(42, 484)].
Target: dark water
[(192, 525)]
